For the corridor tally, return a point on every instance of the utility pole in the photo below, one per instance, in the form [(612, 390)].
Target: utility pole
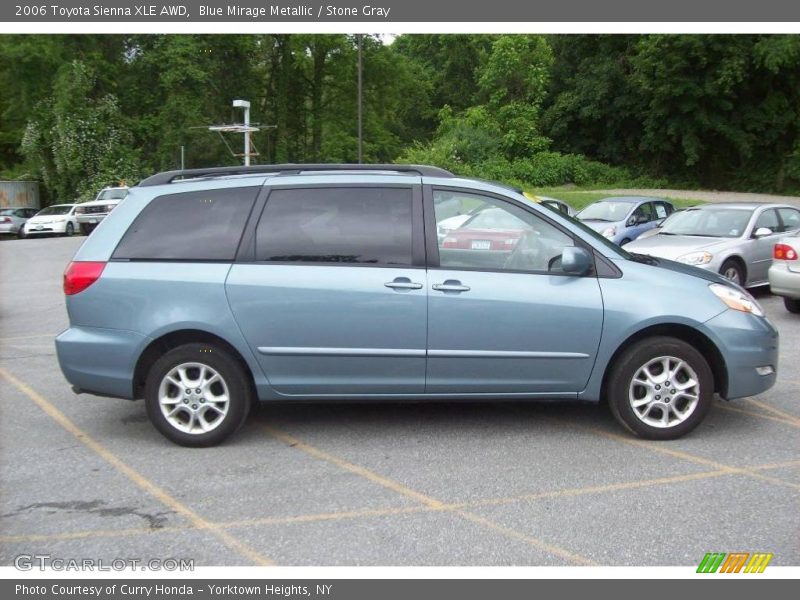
[(360, 101), (246, 106)]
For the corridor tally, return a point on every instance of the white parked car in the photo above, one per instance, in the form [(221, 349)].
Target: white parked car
[(56, 219), (784, 273), (91, 213)]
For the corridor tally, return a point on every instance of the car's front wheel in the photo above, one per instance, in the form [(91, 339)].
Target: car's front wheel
[(660, 388), (69, 230), (732, 269), (792, 305), (197, 395)]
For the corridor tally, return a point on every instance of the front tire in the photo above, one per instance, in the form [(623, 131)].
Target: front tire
[(792, 305), (732, 269), (197, 395), (69, 230), (660, 388)]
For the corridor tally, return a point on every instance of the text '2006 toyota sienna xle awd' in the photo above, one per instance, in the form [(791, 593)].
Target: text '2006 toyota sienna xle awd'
[(206, 290)]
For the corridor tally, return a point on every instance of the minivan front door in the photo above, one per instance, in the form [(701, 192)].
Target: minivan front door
[(502, 317), (334, 303)]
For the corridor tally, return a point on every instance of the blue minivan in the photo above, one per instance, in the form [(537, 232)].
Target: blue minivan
[(209, 289), (622, 219)]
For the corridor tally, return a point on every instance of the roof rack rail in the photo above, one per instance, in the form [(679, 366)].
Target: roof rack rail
[(170, 176)]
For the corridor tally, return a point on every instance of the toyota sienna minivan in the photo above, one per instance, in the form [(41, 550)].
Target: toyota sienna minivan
[(206, 290)]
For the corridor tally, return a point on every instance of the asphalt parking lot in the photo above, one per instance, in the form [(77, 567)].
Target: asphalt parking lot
[(379, 484)]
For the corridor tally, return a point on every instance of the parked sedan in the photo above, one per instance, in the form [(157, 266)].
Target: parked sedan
[(733, 239), (57, 219), (488, 229), (622, 219), (12, 219), (784, 274)]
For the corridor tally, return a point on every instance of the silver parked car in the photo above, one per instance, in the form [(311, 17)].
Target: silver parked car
[(13, 219), (733, 239), (784, 274)]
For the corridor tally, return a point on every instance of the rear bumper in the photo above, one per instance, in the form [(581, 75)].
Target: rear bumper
[(784, 282), (8, 228), (749, 347), (100, 361)]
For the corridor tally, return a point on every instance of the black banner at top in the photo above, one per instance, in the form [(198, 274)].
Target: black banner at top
[(399, 11)]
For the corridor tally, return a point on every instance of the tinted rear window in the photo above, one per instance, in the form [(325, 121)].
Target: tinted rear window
[(203, 225), (340, 225)]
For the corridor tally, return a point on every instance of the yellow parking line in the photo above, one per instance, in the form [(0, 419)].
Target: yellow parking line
[(428, 501), (386, 512), (776, 411), (134, 476), (292, 441), (758, 415), (27, 337), (661, 449)]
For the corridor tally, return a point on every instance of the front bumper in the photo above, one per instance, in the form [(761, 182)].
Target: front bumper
[(100, 361), (784, 282), (46, 228), (749, 347), (91, 218)]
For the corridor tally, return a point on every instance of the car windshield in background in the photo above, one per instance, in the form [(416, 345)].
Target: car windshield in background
[(607, 210), (54, 210), (709, 222), (494, 218), (112, 194)]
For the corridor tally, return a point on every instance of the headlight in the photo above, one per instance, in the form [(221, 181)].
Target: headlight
[(610, 232), (736, 299), (695, 258)]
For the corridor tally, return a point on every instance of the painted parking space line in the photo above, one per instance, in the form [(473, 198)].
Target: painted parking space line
[(133, 475), (17, 338), (354, 515), (776, 411), (759, 415), (431, 503)]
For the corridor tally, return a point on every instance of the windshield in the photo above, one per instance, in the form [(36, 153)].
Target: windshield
[(606, 210), (59, 209), (494, 218), (117, 194), (709, 222)]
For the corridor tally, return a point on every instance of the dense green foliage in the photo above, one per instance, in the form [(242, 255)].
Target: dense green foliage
[(80, 112)]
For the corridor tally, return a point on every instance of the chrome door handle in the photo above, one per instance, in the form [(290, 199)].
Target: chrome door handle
[(403, 283), (451, 285)]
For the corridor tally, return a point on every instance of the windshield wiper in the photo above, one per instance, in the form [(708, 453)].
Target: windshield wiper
[(644, 258)]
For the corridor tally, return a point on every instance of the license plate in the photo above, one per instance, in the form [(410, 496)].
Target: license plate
[(92, 220), (39, 227), (481, 245)]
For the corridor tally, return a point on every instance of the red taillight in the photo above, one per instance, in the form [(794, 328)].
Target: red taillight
[(80, 275), (784, 252)]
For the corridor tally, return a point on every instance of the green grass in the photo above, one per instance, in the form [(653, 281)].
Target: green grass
[(579, 199)]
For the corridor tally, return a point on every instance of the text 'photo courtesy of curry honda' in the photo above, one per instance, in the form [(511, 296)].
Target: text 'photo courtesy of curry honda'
[(207, 290)]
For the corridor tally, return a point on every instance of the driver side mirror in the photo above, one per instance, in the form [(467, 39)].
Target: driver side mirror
[(576, 261), (762, 232)]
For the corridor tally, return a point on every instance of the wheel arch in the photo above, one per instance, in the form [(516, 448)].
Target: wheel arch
[(173, 339), (686, 333)]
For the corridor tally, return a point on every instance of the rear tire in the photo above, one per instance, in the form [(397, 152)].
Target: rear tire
[(21, 233), (792, 305), (197, 395), (660, 388), (732, 269)]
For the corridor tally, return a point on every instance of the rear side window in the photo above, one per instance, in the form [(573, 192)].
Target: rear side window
[(203, 225), (337, 225)]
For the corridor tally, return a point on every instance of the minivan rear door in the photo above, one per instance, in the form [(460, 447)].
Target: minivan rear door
[(330, 289)]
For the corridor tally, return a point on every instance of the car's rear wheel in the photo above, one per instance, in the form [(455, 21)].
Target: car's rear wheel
[(732, 269), (792, 305), (197, 395), (21, 232), (660, 388), (69, 230)]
